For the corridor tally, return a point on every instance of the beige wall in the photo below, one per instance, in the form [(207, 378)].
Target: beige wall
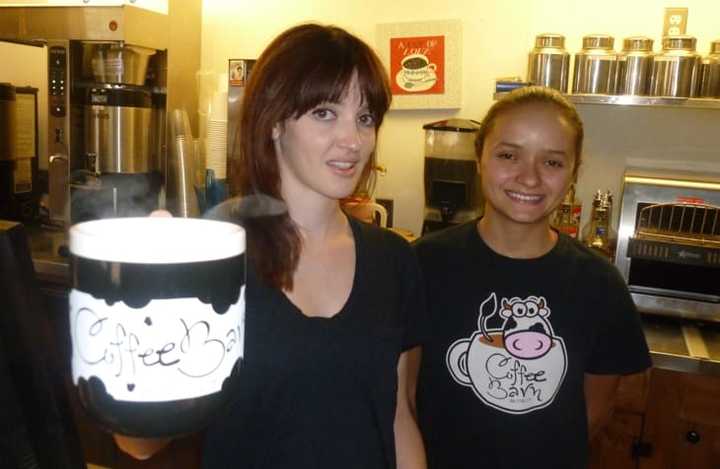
[(496, 38)]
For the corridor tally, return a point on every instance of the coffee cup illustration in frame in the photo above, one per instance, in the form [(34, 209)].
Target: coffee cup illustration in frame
[(423, 62), (417, 65)]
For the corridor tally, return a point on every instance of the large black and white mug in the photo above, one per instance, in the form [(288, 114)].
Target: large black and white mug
[(157, 312)]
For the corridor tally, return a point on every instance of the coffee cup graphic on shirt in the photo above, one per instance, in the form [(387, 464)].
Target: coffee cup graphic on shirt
[(516, 367)]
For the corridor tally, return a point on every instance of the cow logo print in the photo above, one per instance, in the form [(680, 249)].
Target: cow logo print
[(518, 364)]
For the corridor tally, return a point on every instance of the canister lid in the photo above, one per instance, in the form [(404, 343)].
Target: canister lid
[(637, 43), (123, 97), (7, 92), (454, 125), (679, 42), (550, 40), (598, 41)]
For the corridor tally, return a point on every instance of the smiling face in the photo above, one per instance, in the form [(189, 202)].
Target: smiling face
[(526, 165), (323, 152)]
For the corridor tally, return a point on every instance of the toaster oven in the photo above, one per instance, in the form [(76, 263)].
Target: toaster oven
[(668, 247)]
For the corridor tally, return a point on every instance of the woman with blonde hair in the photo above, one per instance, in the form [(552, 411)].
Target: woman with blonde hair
[(530, 330)]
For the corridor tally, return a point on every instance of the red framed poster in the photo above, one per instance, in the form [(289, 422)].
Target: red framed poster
[(424, 63), (417, 65)]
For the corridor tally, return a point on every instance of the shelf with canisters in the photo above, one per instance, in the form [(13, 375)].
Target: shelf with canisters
[(628, 100)]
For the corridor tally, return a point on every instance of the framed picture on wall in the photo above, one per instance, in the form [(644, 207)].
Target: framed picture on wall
[(424, 63)]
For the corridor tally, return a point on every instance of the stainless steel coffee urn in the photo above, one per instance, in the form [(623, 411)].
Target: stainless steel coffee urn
[(118, 131), (634, 64), (122, 171), (594, 71), (549, 62), (675, 71), (113, 73), (710, 73)]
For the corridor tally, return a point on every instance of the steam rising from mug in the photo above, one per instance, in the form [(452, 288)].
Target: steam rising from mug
[(238, 209)]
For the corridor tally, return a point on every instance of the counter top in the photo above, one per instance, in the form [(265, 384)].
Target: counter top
[(676, 345), (46, 246), (684, 346)]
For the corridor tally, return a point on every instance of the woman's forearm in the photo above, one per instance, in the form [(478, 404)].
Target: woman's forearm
[(409, 448)]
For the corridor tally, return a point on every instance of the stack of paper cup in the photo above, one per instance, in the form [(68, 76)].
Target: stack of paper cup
[(216, 139), (216, 147)]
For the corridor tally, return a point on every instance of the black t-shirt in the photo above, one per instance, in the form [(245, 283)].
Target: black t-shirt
[(318, 392), (501, 381)]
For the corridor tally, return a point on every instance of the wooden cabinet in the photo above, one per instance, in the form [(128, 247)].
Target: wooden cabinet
[(664, 420), (616, 447), (682, 421)]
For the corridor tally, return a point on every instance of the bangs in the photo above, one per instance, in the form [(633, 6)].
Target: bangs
[(329, 82)]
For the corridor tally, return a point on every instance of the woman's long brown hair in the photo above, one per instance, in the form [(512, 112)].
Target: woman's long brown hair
[(302, 68)]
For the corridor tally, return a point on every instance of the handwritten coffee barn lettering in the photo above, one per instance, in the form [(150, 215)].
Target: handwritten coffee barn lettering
[(170, 349), (114, 345)]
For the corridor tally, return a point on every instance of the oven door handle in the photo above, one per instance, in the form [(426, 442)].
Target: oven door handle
[(674, 294)]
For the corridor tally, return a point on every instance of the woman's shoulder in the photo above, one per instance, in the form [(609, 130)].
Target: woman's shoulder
[(459, 237), (375, 235)]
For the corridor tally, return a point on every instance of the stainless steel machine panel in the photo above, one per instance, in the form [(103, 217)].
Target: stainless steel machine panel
[(668, 247)]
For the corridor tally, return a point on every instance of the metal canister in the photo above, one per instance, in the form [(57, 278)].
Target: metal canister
[(7, 121), (118, 130), (675, 71), (549, 62), (594, 71), (634, 64), (710, 73)]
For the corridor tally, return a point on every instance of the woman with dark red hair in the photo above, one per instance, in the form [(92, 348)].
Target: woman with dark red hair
[(334, 305)]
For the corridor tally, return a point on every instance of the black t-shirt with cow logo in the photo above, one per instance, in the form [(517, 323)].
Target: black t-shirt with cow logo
[(501, 380)]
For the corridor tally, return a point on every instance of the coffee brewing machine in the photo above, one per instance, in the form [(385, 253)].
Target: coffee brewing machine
[(108, 92), (452, 181)]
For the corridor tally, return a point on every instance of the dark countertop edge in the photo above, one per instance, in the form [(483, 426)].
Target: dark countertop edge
[(685, 364), (52, 272), (682, 363), (54, 277)]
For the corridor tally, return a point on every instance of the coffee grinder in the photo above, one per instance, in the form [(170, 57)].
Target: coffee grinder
[(452, 182)]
